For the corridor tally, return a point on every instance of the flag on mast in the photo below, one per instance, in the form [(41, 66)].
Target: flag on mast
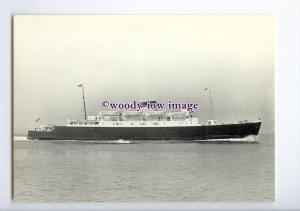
[(37, 119), (80, 85)]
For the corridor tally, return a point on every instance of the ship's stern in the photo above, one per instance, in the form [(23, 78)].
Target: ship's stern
[(42, 132)]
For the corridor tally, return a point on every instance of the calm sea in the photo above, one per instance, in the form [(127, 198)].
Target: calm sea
[(74, 171)]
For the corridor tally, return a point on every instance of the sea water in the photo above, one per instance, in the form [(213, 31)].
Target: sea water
[(145, 171)]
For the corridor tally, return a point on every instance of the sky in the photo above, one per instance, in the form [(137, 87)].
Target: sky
[(122, 58)]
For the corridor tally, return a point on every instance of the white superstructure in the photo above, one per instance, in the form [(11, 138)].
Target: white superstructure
[(137, 119)]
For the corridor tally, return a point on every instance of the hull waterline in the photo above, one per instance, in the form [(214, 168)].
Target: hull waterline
[(201, 132)]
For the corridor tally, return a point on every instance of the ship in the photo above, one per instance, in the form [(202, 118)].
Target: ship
[(148, 125)]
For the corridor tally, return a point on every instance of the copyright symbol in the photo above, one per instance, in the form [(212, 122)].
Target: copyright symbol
[(105, 103)]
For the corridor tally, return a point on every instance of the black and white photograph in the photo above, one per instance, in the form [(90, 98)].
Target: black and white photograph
[(143, 108)]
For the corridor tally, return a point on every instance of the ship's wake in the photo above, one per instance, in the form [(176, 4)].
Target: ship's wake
[(247, 139), (20, 138), (120, 141)]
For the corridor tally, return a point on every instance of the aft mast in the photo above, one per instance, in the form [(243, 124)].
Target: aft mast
[(211, 106)]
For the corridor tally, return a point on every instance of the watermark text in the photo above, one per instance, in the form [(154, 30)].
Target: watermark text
[(150, 105)]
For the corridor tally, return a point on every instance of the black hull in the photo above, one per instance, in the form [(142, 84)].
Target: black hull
[(204, 132)]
